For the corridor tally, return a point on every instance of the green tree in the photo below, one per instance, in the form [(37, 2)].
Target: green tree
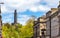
[(18, 30)]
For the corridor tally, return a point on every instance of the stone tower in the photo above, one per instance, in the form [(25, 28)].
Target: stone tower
[(15, 17)]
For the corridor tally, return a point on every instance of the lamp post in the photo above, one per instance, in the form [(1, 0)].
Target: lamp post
[(0, 21)]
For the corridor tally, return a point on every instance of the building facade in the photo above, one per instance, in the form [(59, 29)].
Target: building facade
[(53, 23), (39, 27), (50, 22)]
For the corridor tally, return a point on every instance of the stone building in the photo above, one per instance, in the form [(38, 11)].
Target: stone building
[(53, 23), (39, 27), (50, 22)]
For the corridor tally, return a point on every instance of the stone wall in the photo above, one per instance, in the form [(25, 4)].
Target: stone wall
[(54, 26)]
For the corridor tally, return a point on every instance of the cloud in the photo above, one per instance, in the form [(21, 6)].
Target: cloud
[(3, 9), (39, 8), (23, 18), (20, 5), (7, 18), (32, 5), (52, 3)]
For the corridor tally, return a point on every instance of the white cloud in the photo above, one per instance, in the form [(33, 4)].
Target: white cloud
[(7, 19), (52, 3), (22, 19), (32, 5), (3, 9), (40, 8), (20, 5)]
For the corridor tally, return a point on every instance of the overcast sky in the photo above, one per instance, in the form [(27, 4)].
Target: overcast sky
[(25, 8)]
